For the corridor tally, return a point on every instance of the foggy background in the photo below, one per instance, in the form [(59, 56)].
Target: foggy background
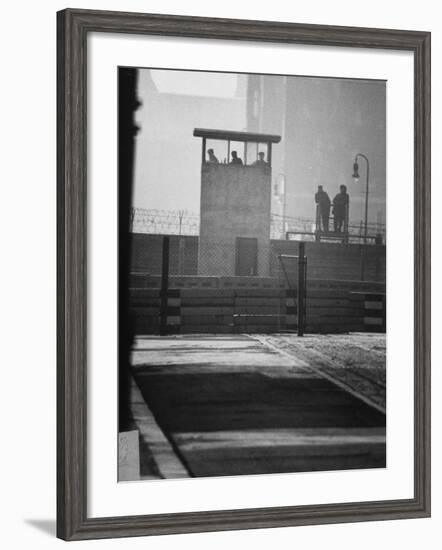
[(323, 122)]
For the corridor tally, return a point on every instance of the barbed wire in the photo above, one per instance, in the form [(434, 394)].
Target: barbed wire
[(184, 222), (170, 222)]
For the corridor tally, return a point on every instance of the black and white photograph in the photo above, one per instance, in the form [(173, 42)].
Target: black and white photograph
[(251, 274), (217, 264)]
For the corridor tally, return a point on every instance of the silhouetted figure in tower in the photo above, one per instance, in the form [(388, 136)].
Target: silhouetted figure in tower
[(235, 158), (212, 157), (261, 160), (323, 201), (340, 208)]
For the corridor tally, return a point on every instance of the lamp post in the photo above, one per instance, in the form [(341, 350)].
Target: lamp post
[(282, 194), (356, 178)]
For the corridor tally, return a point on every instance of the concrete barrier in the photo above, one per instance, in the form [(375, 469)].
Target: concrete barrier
[(331, 306)]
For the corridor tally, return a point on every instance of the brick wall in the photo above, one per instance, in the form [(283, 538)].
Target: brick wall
[(334, 260), (324, 260), (147, 251)]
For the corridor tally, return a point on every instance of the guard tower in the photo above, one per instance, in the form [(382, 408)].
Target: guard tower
[(236, 176)]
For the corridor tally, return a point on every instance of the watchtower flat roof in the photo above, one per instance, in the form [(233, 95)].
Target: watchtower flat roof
[(229, 135)]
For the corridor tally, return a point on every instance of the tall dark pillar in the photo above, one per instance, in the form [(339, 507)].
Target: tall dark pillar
[(127, 105)]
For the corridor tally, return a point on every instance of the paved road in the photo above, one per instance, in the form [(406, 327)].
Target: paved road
[(234, 405)]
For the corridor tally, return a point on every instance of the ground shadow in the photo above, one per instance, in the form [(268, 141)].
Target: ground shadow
[(47, 526)]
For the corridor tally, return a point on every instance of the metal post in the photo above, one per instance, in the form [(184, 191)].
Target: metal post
[(366, 192), (366, 203), (282, 196), (164, 287), (318, 225), (203, 154), (346, 224), (181, 255), (363, 259), (301, 288)]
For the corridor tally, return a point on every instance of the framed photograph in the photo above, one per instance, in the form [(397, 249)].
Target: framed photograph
[(238, 204)]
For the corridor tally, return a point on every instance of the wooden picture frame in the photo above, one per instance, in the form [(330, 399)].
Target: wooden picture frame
[(73, 27)]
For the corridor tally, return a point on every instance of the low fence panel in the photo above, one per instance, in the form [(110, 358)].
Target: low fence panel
[(331, 307)]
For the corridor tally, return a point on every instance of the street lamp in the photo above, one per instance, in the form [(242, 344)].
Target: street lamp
[(356, 178)]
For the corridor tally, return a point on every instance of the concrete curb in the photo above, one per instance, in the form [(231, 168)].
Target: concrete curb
[(166, 460)]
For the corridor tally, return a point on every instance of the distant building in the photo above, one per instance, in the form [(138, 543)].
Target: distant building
[(323, 123)]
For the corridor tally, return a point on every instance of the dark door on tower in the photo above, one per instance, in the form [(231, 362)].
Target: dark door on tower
[(246, 256)]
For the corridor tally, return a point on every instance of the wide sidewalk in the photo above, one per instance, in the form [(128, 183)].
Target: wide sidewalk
[(229, 405)]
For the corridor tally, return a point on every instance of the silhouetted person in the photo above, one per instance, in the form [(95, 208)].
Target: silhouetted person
[(340, 207), (212, 157), (260, 161), (235, 158), (323, 201)]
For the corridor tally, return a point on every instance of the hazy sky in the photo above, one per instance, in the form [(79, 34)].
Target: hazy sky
[(195, 83), (168, 157), (323, 123)]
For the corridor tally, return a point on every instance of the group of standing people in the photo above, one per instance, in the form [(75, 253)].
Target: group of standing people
[(340, 208), (235, 159)]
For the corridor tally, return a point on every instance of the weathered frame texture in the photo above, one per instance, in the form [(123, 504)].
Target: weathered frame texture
[(73, 27)]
